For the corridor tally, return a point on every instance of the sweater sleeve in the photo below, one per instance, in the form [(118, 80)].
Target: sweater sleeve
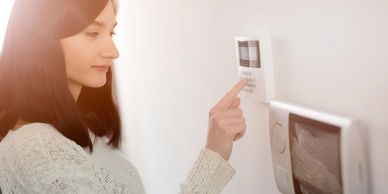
[(209, 175), (42, 160)]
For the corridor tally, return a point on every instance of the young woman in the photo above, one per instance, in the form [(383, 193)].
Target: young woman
[(59, 124)]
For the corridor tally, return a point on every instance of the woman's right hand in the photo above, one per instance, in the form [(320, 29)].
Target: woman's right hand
[(226, 122)]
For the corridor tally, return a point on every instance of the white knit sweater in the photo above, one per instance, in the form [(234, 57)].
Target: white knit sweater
[(36, 158)]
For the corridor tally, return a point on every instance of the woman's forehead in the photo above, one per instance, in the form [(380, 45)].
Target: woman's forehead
[(107, 17)]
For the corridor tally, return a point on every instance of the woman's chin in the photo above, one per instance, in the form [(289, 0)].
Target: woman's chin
[(96, 83)]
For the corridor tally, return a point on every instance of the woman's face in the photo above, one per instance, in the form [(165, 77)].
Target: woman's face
[(90, 53)]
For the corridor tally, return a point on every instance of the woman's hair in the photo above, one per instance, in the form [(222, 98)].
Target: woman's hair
[(33, 83)]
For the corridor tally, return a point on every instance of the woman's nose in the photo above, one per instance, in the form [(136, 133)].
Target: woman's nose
[(109, 50)]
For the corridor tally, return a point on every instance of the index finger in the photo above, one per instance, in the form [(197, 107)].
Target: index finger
[(228, 98)]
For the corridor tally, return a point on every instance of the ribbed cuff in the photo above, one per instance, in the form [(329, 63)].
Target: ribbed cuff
[(210, 174)]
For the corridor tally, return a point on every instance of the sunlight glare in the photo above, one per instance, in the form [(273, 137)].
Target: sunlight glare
[(5, 10)]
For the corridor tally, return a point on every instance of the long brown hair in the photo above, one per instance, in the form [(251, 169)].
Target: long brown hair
[(33, 83)]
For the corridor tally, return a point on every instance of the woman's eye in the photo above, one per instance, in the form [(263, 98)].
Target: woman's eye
[(92, 34), (112, 33)]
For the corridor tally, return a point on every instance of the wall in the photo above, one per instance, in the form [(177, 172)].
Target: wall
[(178, 59)]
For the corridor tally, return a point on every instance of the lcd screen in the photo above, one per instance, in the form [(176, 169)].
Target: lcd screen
[(315, 156), (249, 52)]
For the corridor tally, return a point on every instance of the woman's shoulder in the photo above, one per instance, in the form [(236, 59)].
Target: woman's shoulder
[(31, 131), (35, 146), (37, 138), (42, 159), (35, 127)]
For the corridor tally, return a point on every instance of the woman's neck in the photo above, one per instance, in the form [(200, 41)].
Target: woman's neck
[(75, 89)]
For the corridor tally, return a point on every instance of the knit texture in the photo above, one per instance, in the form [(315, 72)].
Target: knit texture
[(36, 158)]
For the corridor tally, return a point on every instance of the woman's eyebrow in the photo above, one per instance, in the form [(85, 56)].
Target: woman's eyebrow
[(102, 24)]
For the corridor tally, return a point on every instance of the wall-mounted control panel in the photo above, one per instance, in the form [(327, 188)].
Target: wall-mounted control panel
[(254, 62)]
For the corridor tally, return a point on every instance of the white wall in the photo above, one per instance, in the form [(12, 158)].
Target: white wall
[(178, 58)]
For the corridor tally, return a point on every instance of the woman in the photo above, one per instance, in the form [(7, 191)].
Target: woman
[(59, 125)]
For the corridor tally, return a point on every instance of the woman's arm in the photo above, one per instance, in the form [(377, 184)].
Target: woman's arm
[(209, 175), (212, 171)]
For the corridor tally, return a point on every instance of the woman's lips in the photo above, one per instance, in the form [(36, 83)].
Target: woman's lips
[(104, 68)]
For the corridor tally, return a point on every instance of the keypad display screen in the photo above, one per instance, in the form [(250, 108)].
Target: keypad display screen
[(249, 52)]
